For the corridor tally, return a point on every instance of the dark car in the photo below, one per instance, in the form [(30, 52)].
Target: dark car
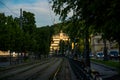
[(113, 54), (91, 55)]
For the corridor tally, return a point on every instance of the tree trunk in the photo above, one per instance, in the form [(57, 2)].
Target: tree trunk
[(87, 58), (87, 51), (105, 50)]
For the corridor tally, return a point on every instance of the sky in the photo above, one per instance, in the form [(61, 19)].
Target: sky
[(41, 8)]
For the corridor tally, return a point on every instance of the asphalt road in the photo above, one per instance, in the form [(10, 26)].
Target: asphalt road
[(105, 71), (44, 69)]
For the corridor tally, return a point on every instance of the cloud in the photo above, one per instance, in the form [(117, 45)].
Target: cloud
[(44, 16)]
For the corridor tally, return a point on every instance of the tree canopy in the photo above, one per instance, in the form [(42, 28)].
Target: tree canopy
[(27, 38), (96, 16)]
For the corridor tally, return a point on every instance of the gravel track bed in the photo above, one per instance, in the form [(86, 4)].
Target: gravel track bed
[(29, 74), (49, 71), (22, 69)]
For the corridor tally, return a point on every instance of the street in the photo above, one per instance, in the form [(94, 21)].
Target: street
[(54, 68), (105, 72)]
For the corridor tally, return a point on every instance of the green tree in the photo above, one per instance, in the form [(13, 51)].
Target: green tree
[(80, 13), (104, 18), (29, 29), (98, 15), (2, 31), (43, 39), (28, 22)]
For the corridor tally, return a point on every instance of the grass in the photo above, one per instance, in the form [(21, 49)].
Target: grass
[(114, 64)]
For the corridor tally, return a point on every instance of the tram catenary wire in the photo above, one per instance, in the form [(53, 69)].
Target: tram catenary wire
[(8, 8)]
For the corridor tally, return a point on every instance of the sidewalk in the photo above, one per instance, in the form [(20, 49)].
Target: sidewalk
[(105, 71)]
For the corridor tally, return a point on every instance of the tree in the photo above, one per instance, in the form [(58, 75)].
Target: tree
[(103, 15), (78, 7), (29, 29), (28, 22), (43, 39), (14, 34), (2, 30), (9, 34), (106, 12)]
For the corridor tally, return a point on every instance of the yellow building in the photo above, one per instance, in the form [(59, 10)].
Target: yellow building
[(56, 40), (97, 44), (4, 53)]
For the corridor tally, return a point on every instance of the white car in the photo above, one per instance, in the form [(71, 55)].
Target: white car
[(99, 55)]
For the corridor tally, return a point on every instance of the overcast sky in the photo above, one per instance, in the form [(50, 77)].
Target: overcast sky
[(41, 8)]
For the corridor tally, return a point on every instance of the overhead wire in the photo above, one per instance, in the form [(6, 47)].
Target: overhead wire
[(8, 8)]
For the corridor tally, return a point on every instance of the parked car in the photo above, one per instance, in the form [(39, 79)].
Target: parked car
[(113, 54), (91, 55), (99, 55)]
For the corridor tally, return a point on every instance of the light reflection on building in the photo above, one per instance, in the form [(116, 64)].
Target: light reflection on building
[(56, 40)]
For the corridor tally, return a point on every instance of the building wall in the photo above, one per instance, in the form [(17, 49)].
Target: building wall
[(4, 53), (98, 45), (56, 40)]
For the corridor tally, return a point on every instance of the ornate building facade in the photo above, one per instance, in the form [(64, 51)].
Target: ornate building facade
[(56, 40)]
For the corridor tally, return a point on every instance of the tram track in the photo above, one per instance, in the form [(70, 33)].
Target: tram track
[(17, 66), (50, 71), (46, 70), (20, 70), (41, 71), (54, 75), (34, 73), (62, 72)]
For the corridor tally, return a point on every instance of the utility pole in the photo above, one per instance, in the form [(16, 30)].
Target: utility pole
[(21, 18), (20, 54)]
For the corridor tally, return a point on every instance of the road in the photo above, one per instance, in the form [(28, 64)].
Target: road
[(56, 68), (105, 72), (38, 71)]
